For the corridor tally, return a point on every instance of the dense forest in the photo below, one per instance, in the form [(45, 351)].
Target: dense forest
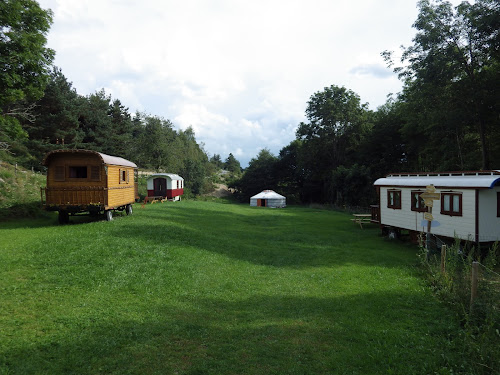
[(447, 117)]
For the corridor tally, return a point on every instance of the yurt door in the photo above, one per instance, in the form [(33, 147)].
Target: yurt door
[(160, 187), (261, 203)]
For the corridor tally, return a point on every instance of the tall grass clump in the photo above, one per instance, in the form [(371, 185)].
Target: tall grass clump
[(480, 319)]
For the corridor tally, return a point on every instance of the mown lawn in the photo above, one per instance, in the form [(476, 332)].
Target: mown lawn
[(211, 288)]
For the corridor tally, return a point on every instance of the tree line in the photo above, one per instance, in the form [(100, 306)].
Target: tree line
[(447, 117), (40, 111)]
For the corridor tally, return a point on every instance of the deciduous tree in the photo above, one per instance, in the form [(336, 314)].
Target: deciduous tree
[(24, 63)]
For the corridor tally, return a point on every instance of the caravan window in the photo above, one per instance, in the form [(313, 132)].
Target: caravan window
[(77, 172), (417, 203), (394, 199), (451, 204), (123, 176)]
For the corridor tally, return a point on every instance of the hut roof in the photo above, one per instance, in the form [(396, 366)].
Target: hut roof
[(481, 179), (106, 159), (172, 176), (268, 194)]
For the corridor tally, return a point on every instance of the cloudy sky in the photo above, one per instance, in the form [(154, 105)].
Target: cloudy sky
[(239, 72)]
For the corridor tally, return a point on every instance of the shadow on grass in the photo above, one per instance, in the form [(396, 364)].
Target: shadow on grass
[(375, 333), (279, 238), (41, 218)]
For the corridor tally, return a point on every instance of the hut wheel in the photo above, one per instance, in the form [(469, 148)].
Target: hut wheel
[(63, 217), (109, 215), (128, 209)]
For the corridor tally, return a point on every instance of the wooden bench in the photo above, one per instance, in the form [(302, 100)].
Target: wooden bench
[(361, 219), (153, 199)]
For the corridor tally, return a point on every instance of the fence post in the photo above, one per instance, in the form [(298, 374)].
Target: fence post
[(474, 278), (443, 259)]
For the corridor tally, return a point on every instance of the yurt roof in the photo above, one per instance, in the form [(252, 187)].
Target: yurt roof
[(172, 176), (268, 194), (106, 159)]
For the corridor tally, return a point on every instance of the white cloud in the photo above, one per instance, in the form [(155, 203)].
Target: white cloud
[(239, 72)]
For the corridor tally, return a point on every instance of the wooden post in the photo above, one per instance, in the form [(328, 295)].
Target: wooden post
[(474, 277), (443, 259)]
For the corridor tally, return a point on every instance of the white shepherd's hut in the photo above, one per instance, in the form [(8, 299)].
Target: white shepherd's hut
[(268, 198), (464, 205), (166, 185)]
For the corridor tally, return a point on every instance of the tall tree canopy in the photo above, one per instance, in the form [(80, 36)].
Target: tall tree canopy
[(25, 62), (232, 165), (452, 82), (337, 122), (260, 174)]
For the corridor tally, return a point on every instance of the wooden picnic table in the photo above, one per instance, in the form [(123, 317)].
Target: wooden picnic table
[(361, 219)]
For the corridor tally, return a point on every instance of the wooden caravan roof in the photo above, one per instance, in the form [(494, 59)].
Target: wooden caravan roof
[(172, 176), (465, 180), (106, 159)]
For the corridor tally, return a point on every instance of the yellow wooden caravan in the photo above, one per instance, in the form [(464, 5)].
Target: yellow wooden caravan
[(88, 181)]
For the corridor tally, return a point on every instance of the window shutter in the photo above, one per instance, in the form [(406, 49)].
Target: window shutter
[(95, 173), (59, 174)]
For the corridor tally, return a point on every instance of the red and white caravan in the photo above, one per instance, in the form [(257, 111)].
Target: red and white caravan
[(166, 185)]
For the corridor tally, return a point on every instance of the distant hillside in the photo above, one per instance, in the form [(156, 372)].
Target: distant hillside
[(19, 191)]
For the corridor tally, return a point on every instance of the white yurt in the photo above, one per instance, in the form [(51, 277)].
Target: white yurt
[(268, 198)]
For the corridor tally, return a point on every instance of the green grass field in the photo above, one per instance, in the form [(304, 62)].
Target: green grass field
[(210, 288)]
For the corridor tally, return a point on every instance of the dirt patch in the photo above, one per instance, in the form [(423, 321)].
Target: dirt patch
[(220, 191)]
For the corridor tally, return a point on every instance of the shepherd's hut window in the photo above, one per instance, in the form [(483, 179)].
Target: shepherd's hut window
[(451, 204), (394, 199), (77, 172), (123, 176), (417, 203)]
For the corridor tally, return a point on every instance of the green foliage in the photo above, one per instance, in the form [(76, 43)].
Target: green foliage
[(481, 321), (449, 89), (24, 62), (200, 287), (260, 175), (337, 121), (56, 122), (232, 165), (217, 161), (351, 186)]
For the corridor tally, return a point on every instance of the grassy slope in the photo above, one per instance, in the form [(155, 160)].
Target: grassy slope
[(210, 288), (19, 191)]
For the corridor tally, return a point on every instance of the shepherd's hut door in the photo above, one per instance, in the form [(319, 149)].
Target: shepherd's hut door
[(160, 187)]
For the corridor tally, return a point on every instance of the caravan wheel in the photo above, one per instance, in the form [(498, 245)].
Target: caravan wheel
[(109, 215), (128, 209), (393, 233), (63, 217)]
